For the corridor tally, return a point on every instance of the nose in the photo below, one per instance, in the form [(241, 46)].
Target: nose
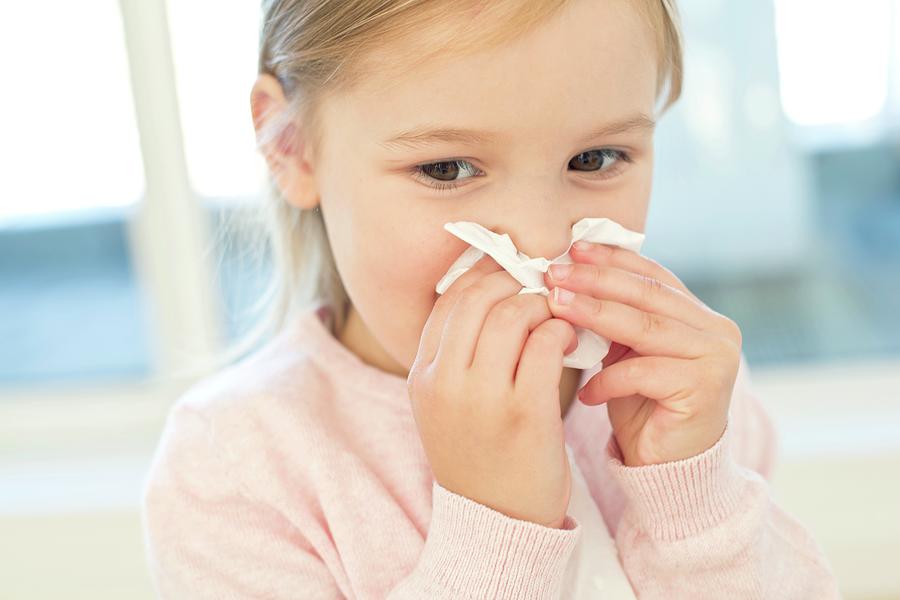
[(537, 233)]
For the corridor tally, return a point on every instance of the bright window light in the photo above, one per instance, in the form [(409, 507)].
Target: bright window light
[(70, 139), (833, 59), (895, 76), (215, 49)]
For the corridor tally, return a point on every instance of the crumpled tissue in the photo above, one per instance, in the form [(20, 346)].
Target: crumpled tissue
[(592, 347)]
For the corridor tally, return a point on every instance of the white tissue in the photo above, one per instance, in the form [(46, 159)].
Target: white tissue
[(530, 271)]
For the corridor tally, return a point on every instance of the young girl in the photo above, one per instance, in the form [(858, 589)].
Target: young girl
[(391, 442)]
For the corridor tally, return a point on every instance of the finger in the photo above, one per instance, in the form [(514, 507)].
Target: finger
[(505, 330), (643, 265), (543, 351), (466, 318), (663, 379), (630, 261), (635, 289), (434, 325), (647, 333)]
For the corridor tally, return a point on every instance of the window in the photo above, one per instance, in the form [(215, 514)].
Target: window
[(215, 67), (70, 306), (839, 67), (834, 65)]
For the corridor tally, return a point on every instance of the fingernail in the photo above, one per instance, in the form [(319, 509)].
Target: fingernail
[(560, 272), (582, 245), (562, 296)]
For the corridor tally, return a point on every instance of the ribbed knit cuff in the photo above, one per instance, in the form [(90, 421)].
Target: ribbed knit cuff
[(480, 552), (682, 498)]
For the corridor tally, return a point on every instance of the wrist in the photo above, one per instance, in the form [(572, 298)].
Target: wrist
[(692, 444)]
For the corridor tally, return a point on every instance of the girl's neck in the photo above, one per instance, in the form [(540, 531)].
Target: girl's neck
[(359, 340)]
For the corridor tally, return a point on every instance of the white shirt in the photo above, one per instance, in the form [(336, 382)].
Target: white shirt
[(594, 571)]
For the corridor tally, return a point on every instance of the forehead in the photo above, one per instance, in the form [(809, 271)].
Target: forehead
[(591, 61)]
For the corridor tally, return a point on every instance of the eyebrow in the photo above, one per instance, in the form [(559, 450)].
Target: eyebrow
[(426, 135)]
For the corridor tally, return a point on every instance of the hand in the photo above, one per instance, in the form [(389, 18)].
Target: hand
[(669, 376), (484, 388)]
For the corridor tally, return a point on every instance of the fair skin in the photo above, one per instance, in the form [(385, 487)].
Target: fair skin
[(590, 69), (527, 190)]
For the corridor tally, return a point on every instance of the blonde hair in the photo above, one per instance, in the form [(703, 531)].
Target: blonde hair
[(317, 47)]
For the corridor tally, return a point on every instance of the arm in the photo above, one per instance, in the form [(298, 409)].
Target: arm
[(208, 538), (707, 526)]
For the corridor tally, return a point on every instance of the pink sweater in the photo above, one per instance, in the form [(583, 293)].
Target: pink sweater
[(299, 473)]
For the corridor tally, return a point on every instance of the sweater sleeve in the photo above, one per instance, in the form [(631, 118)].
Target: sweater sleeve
[(754, 440), (207, 537), (707, 526), (473, 551)]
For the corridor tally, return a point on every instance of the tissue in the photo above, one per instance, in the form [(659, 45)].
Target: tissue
[(530, 271)]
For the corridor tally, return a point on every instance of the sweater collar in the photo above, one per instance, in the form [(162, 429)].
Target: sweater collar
[(312, 329)]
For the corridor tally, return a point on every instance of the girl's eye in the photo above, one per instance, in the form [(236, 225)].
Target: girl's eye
[(606, 161), (444, 171), (444, 175)]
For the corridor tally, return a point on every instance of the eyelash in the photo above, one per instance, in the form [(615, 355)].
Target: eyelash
[(417, 170)]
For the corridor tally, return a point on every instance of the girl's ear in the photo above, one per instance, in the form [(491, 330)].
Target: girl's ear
[(281, 142)]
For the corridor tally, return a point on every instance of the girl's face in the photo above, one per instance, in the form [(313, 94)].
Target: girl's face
[(525, 139)]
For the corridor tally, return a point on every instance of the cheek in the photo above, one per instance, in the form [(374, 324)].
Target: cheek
[(392, 279), (407, 271), (399, 258), (633, 205)]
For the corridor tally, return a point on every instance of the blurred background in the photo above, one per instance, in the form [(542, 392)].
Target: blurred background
[(127, 140)]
